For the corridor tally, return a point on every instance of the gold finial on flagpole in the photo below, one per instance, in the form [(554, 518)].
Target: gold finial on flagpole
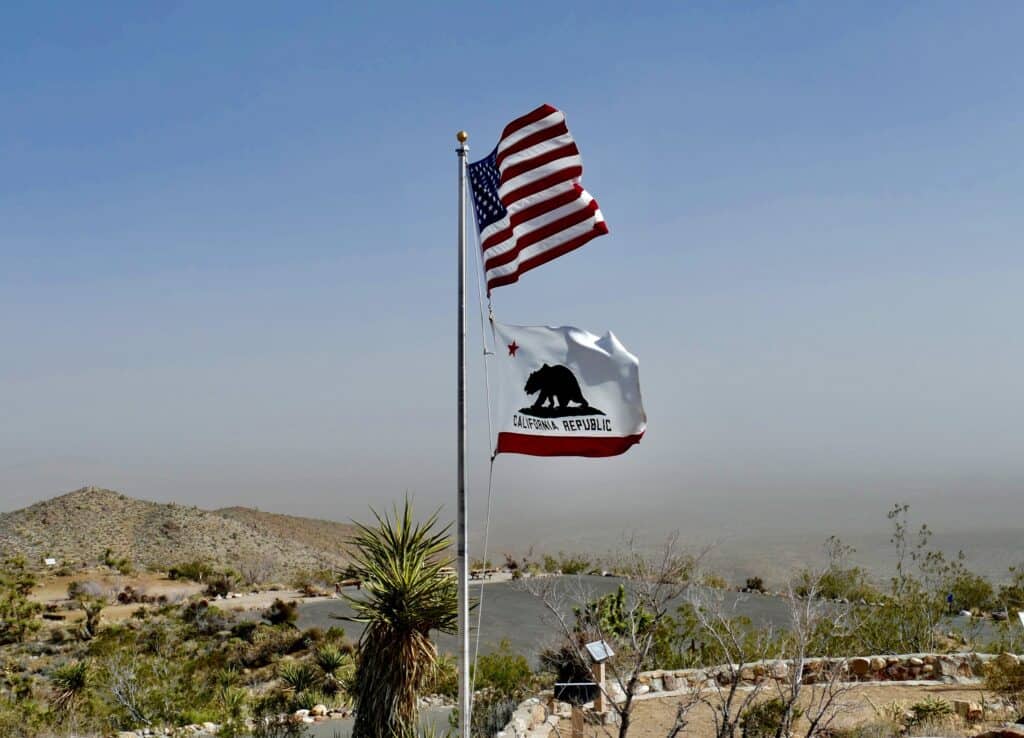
[(462, 136)]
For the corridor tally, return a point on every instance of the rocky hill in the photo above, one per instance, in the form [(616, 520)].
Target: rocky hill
[(80, 526), (320, 535)]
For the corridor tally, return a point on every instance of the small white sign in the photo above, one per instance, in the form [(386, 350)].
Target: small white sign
[(50, 562), (599, 651), (1020, 614)]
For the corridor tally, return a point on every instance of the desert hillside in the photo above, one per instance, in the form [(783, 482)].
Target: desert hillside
[(80, 526), (320, 535)]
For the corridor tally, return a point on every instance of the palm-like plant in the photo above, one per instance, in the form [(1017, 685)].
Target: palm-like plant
[(298, 676), (404, 597), (71, 683), (335, 667)]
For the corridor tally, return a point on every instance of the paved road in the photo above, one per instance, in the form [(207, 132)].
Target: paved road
[(509, 611)]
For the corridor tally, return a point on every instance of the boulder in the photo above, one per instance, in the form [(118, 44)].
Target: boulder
[(877, 663), (947, 667), (210, 728), (971, 712), (897, 673), (641, 689), (318, 710), (780, 670), (915, 661), (520, 721), (299, 714), (537, 715), (860, 666), (670, 682)]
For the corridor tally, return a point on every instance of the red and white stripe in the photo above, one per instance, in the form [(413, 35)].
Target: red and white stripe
[(549, 213)]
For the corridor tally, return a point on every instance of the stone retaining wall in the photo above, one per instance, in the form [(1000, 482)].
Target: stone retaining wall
[(535, 717)]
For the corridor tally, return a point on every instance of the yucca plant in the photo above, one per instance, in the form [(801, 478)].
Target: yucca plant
[(71, 682), (298, 676), (404, 597), (335, 667)]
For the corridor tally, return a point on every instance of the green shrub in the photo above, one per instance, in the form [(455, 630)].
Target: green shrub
[(269, 644), (221, 584), (197, 570), (1007, 680), (17, 613), (121, 563), (443, 679), (930, 711), (1011, 595), (503, 671), (282, 613), (713, 581), (204, 618), (764, 720), (754, 584), (573, 564), (972, 592), (491, 713)]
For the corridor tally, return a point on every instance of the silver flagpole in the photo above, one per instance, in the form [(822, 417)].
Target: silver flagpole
[(462, 563)]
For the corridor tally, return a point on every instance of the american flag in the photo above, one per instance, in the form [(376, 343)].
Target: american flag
[(530, 207)]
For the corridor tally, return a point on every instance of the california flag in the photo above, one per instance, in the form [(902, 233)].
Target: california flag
[(566, 392)]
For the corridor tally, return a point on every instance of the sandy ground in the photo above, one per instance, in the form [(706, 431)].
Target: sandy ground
[(55, 589), (656, 716), (53, 592)]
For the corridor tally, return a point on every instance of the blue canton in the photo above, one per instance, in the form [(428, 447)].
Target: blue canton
[(484, 180)]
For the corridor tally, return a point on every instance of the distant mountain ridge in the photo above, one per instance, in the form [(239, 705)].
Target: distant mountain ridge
[(78, 527)]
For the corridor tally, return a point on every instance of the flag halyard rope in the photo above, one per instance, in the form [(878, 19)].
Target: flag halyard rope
[(491, 445)]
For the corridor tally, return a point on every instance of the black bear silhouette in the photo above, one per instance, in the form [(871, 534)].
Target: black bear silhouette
[(555, 384)]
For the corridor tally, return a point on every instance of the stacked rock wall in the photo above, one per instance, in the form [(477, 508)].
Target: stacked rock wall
[(534, 718)]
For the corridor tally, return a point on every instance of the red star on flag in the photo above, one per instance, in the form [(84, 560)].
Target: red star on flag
[(512, 348)]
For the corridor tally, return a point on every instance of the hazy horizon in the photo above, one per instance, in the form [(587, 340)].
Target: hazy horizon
[(227, 259)]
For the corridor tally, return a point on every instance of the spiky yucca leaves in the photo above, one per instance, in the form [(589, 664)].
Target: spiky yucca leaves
[(335, 668), (298, 676), (70, 682), (404, 598)]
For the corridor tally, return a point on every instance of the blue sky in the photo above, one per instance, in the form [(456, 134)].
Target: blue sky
[(227, 255)]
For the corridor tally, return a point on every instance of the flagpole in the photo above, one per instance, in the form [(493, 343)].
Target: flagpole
[(461, 562)]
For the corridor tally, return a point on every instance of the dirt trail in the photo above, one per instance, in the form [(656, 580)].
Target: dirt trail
[(654, 717)]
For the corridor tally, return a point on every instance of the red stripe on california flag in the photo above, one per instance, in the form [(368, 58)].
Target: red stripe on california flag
[(533, 139), (594, 446), (532, 117), (600, 228), (528, 239)]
